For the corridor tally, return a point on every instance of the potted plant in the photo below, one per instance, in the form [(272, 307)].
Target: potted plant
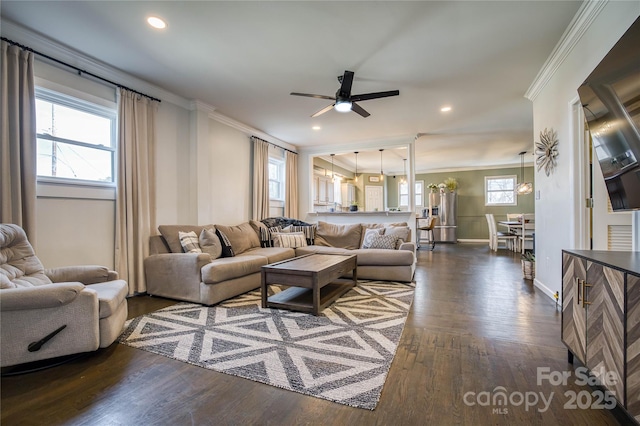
[(528, 265), (451, 184), (354, 206), (433, 187)]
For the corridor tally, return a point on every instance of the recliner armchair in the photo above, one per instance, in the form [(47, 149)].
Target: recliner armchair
[(54, 312)]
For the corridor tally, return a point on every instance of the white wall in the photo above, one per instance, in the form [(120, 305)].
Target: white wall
[(551, 109)]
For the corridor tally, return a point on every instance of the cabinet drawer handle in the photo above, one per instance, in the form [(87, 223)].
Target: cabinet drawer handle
[(584, 294), (578, 283)]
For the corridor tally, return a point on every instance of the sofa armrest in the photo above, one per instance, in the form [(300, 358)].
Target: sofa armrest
[(170, 274), (86, 274), (410, 246), (40, 297)]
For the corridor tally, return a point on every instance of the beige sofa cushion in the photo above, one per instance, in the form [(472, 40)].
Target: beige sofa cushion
[(110, 295), (321, 249), (273, 254), (228, 268), (242, 237), (384, 257), (342, 236)]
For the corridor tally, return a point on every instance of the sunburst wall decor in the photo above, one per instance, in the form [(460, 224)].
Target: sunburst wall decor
[(547, 151)]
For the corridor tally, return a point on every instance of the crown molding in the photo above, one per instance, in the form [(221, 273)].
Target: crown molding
[(250, 131), (39, 42), (580, 23)]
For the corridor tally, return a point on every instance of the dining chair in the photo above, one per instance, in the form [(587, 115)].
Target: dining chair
[(496, 236), (524, 232), (424, 231)]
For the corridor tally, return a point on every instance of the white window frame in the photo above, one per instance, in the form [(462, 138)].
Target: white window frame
[(279, 163), (487, 179), (419, 184), (419, 191), (91, 108)]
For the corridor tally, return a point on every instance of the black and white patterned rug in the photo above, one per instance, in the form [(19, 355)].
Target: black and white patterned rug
[(343, 355)]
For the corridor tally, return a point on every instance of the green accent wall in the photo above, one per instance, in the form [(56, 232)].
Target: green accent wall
[(472, 223)]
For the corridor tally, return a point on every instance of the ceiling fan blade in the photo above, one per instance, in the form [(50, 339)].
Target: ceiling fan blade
[(309, 95), (345, 86), (376, 95), (358, 109), (323, 110)]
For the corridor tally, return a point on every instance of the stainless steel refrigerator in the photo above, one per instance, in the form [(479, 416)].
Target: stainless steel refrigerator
[(443, 205)]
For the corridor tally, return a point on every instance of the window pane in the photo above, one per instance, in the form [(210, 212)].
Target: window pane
[(404, 200), (73, 162), (274, 189), (404, 189), (273, 172), (500, 184), (69, 123), (419, 200), (501, 197)]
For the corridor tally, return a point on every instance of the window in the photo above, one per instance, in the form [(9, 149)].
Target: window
[(76, 139), (419, 193), (500, 191), (403, 191), (276, 179)]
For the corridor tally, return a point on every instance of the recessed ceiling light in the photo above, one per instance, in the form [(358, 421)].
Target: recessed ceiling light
[(316, 127), (445, 109), (156, 22)]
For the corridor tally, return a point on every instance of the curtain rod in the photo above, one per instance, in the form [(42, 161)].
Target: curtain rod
[(80, 70), (275, 145)]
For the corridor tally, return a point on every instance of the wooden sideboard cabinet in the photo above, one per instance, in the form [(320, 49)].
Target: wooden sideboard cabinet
[(601, 318)]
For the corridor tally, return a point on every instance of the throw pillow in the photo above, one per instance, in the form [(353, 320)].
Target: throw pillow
[(170, 235), (289, 239), (308, 230), (189, 242), (383, 242), (227, 250), (369, 234), (210, 243), (343, 236), (242, 237), (403, 233)]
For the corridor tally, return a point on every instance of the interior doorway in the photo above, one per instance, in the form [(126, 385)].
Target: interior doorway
[(373, 198)]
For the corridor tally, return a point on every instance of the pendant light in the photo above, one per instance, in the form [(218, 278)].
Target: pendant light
[(404, 177), (333, 179), (523, 187), (356, 179), (381, 173)]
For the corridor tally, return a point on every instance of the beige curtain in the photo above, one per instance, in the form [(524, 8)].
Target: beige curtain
[(260, 179), (291, 186), (18, 153), (135, 201)]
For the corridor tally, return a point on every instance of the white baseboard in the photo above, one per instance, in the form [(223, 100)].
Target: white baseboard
[(546, 290)]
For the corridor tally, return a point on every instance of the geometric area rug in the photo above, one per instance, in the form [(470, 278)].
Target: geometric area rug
[(342, 355)]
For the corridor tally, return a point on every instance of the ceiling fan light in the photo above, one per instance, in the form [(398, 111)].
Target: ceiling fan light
[(342, 106), (524, 188)]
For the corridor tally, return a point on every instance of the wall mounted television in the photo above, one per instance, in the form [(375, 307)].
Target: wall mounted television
[(610, 97)]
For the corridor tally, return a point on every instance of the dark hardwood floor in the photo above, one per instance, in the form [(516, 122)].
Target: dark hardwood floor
[(475, 325)]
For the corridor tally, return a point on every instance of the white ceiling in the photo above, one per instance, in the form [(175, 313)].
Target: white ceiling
[(244, 58)]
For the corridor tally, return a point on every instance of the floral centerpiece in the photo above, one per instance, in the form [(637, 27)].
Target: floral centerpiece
[(433, 187)]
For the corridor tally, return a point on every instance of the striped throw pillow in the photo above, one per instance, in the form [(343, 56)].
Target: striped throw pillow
[(289, 239), (189, 242)]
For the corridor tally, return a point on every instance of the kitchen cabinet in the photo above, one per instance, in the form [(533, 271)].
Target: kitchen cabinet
[(323, 190)]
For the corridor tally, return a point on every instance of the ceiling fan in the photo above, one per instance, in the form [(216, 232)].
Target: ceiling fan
[(344, 100)]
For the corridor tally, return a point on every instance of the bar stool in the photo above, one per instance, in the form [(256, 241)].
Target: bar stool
[(424, 231)]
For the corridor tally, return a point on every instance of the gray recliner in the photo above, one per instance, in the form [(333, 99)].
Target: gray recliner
[(54, 312)]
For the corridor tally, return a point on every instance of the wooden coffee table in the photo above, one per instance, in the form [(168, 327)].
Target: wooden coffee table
[(312, 280)]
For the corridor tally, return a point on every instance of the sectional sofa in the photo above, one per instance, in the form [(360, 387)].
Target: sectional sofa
[(211, 274)]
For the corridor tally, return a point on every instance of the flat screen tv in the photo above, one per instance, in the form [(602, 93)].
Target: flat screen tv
[(610, 97)]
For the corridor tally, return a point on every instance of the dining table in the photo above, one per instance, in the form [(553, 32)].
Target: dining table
[(516, 227)]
